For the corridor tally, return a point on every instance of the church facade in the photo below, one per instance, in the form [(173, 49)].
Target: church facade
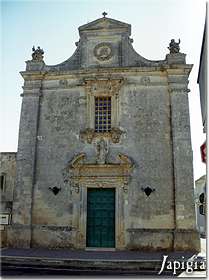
[(104, 155)]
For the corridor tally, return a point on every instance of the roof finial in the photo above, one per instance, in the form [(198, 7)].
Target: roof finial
[(104, 14)]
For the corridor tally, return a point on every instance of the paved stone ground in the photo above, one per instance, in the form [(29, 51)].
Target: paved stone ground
[(195, 274), (26, 261), (203, 253), (91, 255)]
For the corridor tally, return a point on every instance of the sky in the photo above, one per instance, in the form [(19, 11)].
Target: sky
[(53, 25)]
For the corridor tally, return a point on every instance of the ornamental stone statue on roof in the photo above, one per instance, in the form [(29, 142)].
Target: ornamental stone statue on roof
[(37, 54), (174, 46)]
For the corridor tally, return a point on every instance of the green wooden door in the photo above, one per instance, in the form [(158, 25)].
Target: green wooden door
[(101, 218)]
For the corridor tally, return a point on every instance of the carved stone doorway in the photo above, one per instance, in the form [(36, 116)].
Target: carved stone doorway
[(85, 176)]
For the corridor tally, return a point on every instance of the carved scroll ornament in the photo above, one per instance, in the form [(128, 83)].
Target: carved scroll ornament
[(89, 134), (99, 175)]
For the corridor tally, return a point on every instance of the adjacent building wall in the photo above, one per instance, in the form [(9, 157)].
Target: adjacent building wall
[(7, 177)]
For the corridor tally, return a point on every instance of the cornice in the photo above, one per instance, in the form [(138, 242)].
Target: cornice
[(33, 75), (108, 72)]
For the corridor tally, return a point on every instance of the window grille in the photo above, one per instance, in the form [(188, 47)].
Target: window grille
[(103, 114)]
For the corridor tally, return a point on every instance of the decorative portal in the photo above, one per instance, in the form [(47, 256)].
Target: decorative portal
[(85, 176)]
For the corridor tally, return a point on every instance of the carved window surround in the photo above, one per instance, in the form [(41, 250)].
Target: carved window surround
[(102, 87)]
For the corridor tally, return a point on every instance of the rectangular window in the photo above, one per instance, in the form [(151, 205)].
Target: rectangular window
[(103, 114), (2, 182)]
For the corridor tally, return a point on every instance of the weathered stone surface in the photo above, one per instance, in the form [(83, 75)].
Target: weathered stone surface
[(185, 239), (150, 240), (53, 237), (8, 176), (8, 168), (58, 146)]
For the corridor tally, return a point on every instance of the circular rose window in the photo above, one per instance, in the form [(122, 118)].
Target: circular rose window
[(103, 51)]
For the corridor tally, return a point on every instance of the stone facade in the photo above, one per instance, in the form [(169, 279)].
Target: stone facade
[(61, 155)]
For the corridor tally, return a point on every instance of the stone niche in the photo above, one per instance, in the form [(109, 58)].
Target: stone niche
[(84, 175)]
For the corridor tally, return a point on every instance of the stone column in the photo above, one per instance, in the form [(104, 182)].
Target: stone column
[(185, 232), (20, 229)]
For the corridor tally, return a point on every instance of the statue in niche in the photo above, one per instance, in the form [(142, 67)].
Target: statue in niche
[(38, 54), (102, 151), (174, 46)]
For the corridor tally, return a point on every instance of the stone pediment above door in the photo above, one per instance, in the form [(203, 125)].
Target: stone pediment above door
[(101, 175)]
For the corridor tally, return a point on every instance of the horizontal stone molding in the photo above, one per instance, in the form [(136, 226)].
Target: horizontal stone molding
[(161, 230), (179, 90), (54, 228), (150, 230), (114, 73), (33, 94), (20, 226)]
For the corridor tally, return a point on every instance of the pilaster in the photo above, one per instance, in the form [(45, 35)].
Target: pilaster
[(185, 220), (20, 231)]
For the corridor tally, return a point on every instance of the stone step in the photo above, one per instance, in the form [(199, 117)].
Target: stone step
[(133, 266), (93, 264)]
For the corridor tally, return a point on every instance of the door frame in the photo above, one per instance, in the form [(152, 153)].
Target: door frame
[(100, 248), (80, 220)]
